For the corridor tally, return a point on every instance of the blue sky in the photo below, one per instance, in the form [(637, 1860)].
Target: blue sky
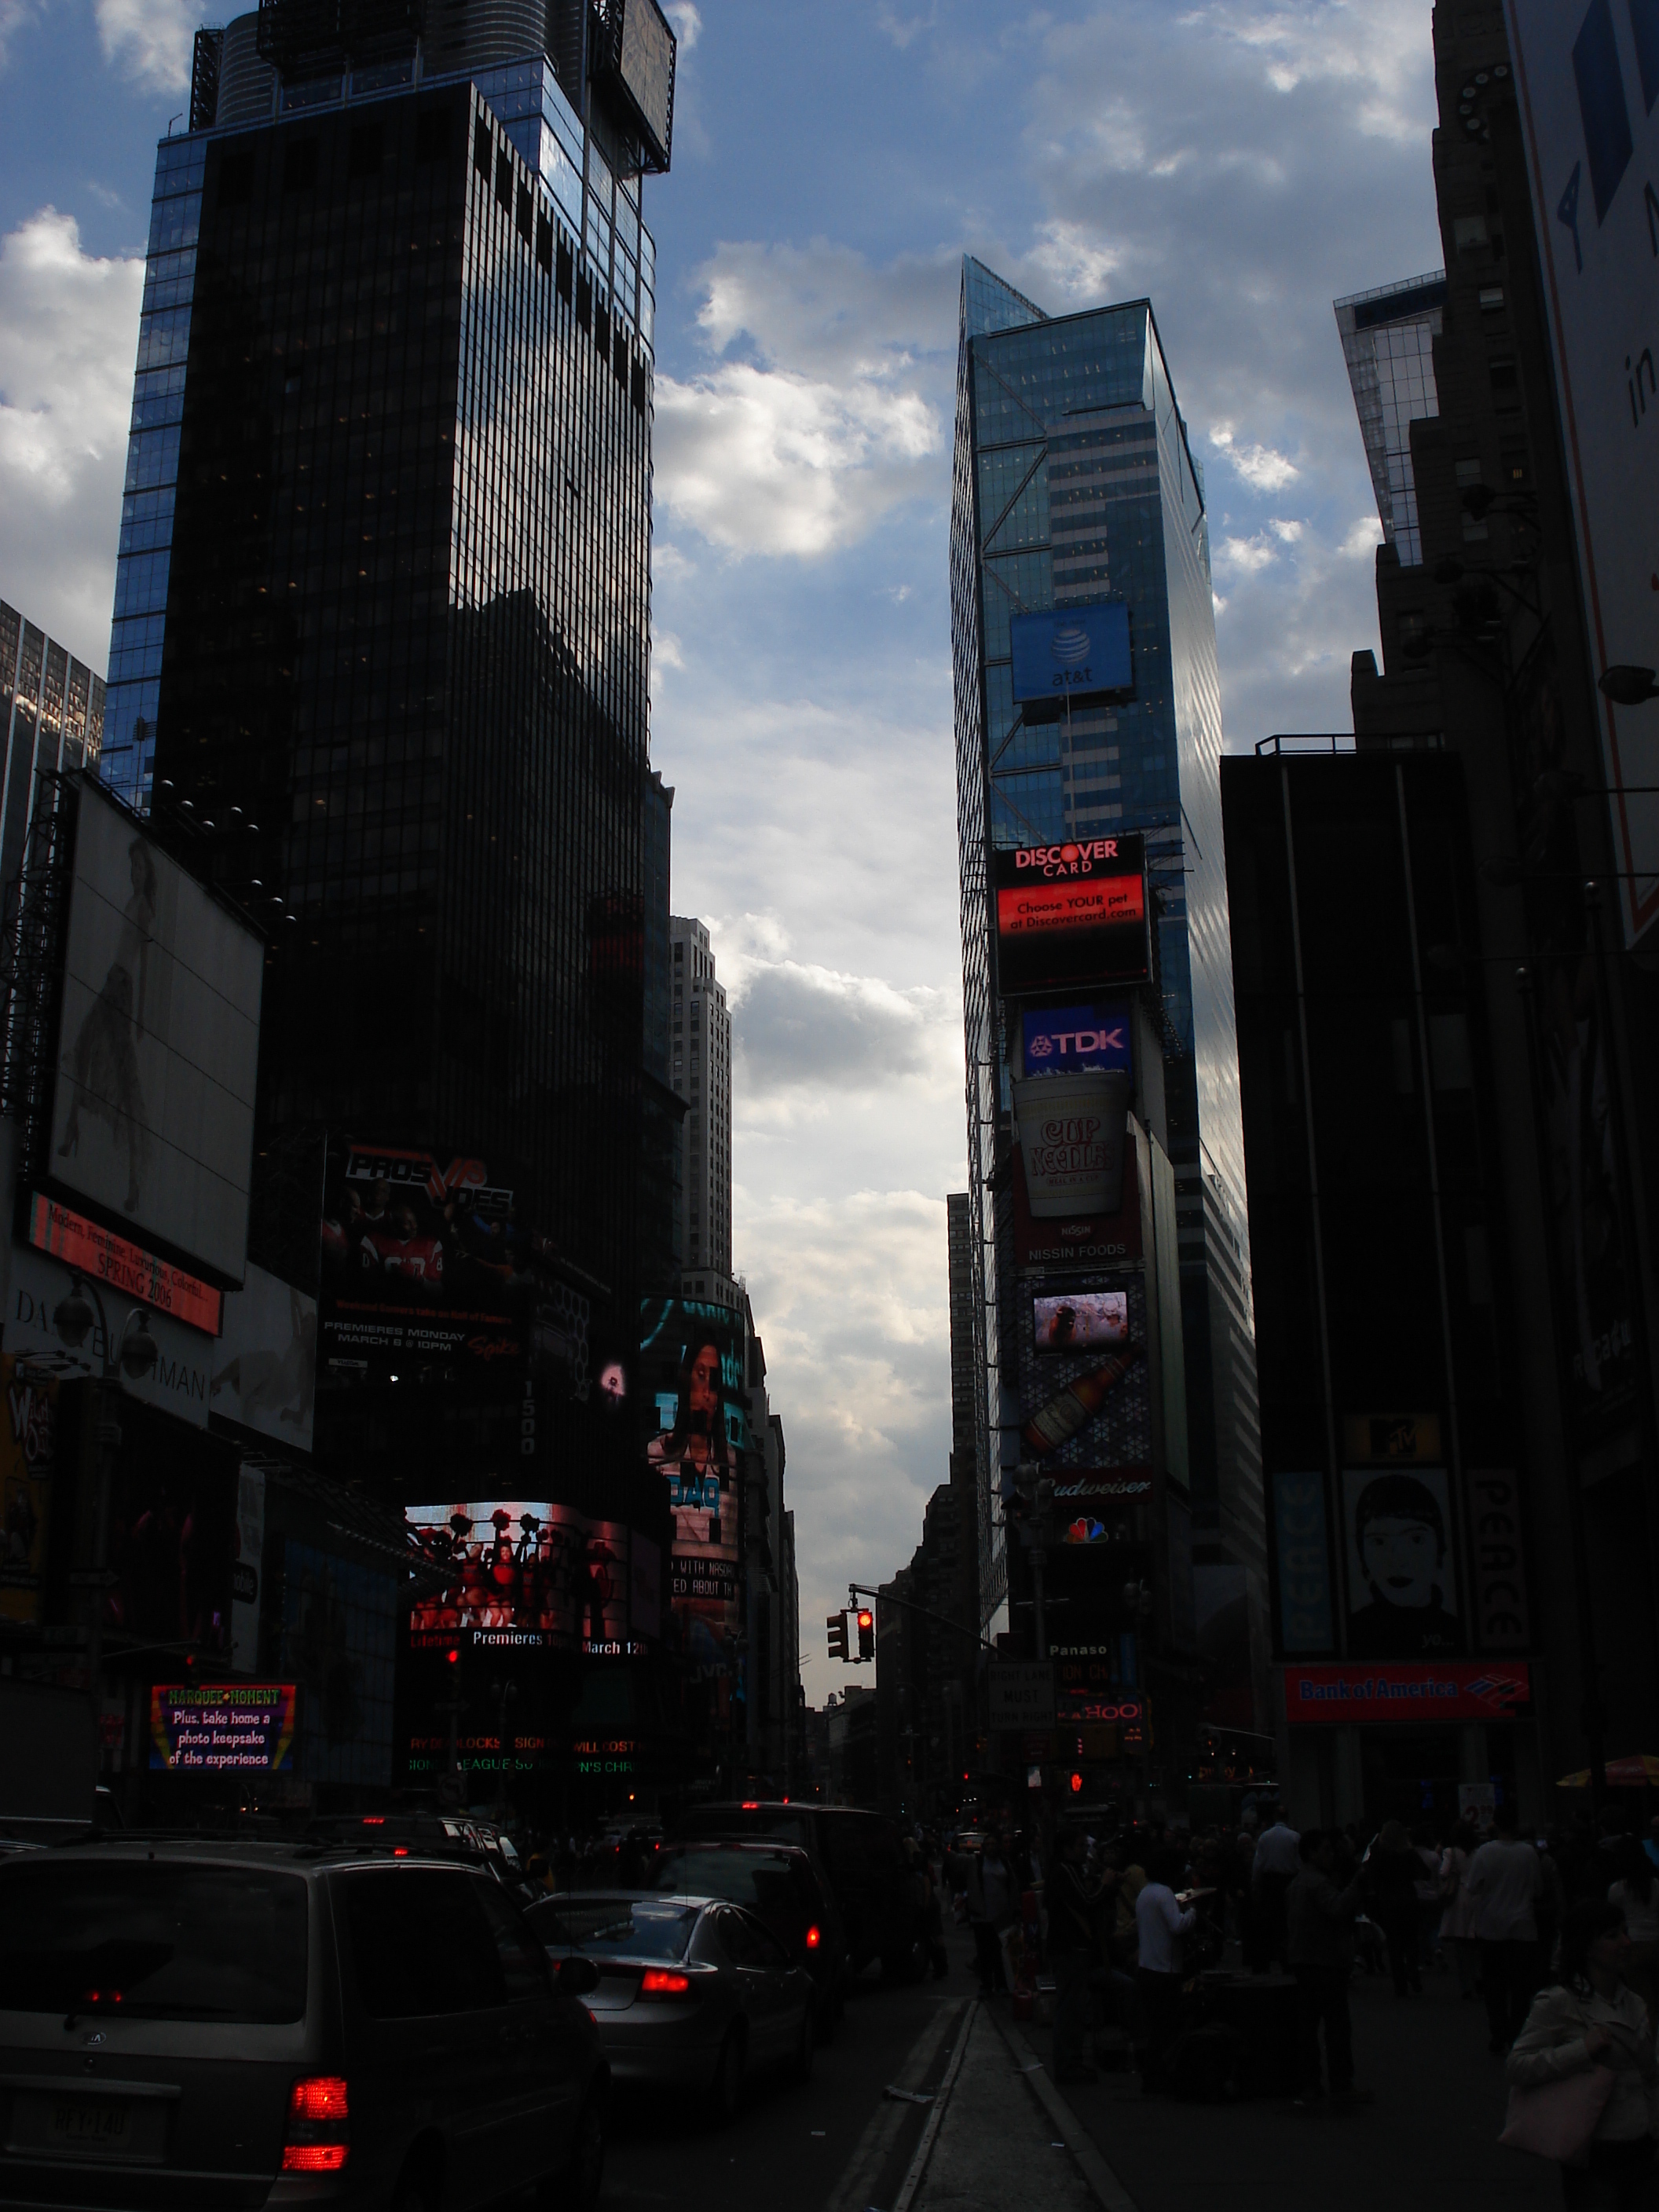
[(1241, 164)]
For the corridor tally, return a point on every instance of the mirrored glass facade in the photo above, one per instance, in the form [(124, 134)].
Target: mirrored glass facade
[(1073, 483), (1387, 342), (383, 624)]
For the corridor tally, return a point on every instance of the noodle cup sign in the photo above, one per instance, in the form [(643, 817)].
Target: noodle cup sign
[(1070, 1135)]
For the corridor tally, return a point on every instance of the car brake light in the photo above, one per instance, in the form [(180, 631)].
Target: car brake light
[(400, 1851), (375, 1820), (750, 1805), (317, 2140), (813, 1939), (657, 1982)]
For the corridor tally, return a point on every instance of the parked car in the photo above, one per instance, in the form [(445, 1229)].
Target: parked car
[(860, 1859), (435, 1835), (189, 2024), (777, 1883), (694, 1993)]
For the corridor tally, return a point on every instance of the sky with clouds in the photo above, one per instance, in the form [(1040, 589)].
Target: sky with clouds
[(1241, 162)]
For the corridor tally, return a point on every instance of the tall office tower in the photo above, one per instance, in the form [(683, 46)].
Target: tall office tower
[(382, 608), (1387, 342), (1075, 489), (52, 709), (663, 1111), (701, 1057), (966, 1369)]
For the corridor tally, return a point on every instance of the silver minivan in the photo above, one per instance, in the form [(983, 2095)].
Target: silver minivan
[(190, 2024)]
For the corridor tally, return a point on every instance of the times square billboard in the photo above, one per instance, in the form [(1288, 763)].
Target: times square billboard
[(693, 1362)]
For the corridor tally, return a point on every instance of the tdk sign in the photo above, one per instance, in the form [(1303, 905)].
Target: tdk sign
[(1069, 650), (1064, 1040)]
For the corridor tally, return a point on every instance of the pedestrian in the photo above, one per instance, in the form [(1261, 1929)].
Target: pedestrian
[(1636, 1893), (1504, 1882), (1591, 2016), (1319, 1919), (1457, 1913), (1277, 1862), (990, 1910), (1391, 1874), (1426, 1845), (1161, 1921), (1073, 1910)]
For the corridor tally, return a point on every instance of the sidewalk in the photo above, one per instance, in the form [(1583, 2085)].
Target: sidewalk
[(995, 2147), (1428, 2142)]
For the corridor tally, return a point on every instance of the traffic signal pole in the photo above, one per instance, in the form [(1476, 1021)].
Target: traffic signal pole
[(856, 1590)]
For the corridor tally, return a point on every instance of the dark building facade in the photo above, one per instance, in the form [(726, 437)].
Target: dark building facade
[(1486, 645), (381, 657), (1384, 1291)]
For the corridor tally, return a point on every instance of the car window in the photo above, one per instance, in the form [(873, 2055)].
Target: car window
[(616, 1927), (420, 1942), (741, 1940), (524, 1962), (768, 1951), (159, 1940), (782, 1821)]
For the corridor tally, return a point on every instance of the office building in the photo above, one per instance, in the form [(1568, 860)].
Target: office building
[(701, 1072), (1075, 489), (967, 1393), (1384, 1282), (1387, 342), (381, 620), (51, 707), (1490, 651), (662, 1109)]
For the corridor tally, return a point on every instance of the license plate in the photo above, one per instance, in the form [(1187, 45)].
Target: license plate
[(64, 2123)]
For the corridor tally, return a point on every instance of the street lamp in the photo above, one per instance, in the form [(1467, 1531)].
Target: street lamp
[(134, 1357)]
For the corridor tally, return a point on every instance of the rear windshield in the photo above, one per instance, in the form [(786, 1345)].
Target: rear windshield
[(789, 1826), (765, 1884), (619, 1927), (152, 1940)]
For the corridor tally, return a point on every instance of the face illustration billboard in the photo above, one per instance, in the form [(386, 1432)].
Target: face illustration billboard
[(1402, 1583)]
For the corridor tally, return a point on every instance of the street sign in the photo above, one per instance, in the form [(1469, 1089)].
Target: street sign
[(1021, 1697)]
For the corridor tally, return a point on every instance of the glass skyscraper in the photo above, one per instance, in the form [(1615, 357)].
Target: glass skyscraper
[(382, 615), (1075, 482), (1387, 342)]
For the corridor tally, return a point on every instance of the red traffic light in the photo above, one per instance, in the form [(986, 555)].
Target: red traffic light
[(452, 1656), (867, 1634), (867, 1619), (1077, 1784)]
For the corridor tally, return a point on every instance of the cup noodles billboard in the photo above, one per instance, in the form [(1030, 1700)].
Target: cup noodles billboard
[(1070, 1132), (1071, 915)]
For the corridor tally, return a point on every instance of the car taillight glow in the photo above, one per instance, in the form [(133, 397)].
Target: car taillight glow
[(314, 2158), (318, 2097), (657, 1982), (318, 2127), (750, 1805), (813, 1939)]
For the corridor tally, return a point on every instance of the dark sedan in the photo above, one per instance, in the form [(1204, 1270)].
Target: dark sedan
[(695, 1994), (775, 1882)]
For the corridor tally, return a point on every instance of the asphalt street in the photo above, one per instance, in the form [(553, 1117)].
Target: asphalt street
[(834, 2144)]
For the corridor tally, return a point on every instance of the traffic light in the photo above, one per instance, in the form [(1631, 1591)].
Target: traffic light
[(837, 1625), (1077, 1786), (867, 1634)]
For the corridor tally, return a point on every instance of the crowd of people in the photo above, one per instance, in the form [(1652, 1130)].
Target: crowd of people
[(1557, 1937)]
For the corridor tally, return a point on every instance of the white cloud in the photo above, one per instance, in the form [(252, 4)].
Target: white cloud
[(1250, 554), (687, 20), (902, 30), (769, 461), (1288, 531), (1363, 540), (14, 14), (820, 410), (1080, 265), (150, 40), (1259, 465), (799, 1025), (69, 333)]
